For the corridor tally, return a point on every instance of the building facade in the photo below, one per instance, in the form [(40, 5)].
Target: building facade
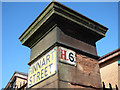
[(17, 81), (110, 69)]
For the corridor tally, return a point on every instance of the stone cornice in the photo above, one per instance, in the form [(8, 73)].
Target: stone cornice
[(48, 16)]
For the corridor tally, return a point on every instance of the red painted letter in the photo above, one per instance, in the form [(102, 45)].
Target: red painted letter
[(63, 54)]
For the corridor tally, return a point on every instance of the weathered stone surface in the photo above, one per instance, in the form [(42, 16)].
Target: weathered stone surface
[(47, 81), (74, 41), (44, 44), (90, 71), (58, 37), (69, 86), (58, 25), (87, 64), (67, 72), (85, 73), (60, 14), (95, 77), (51, 85), (63, 84)]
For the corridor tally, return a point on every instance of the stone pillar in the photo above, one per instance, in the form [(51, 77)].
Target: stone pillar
[(72, 37)]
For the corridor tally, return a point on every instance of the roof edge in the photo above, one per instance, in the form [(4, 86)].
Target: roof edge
[(117, 50)]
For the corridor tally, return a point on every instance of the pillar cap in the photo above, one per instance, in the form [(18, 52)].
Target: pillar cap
[(54, 14)]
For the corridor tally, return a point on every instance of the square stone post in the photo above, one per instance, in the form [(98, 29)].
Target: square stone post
[(72, 37)]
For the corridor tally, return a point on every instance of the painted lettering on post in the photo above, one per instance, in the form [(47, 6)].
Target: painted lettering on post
[(43, 68), (67, 56)]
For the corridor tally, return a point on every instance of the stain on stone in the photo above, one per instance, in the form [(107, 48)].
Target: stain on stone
[(85, 63)]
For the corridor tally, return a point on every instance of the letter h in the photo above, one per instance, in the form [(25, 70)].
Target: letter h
[(63, 54)]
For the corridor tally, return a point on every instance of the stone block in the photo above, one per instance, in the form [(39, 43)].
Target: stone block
[(43, 44), (68, 86), (52, 85), (88, 69), (67, 72), (47, 81), (74, 42), (85, 73)]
